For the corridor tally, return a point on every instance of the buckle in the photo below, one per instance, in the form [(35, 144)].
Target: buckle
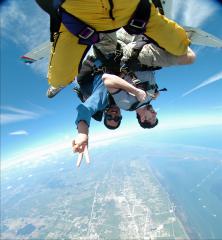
[(86, 33), (137, 23), (100, 69)]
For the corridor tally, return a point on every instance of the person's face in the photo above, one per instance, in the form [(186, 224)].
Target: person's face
[(113, 116), (147, 114)]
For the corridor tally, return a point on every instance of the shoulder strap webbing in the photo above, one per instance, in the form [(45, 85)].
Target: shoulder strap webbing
[(112, 63), (87, 35), (140, 18), (158, 5), (86, 72), (51, 7)]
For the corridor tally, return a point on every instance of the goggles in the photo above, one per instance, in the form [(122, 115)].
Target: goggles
[(109, 117)]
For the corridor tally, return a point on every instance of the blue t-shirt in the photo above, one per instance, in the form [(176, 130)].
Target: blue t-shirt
[(97, 101)]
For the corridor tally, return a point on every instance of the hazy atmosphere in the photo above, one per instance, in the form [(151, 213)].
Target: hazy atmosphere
[(141, 184)]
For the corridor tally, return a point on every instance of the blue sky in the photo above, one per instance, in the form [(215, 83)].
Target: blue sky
[(31, 122)]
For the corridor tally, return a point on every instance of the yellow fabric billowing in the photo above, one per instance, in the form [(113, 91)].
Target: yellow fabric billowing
[(168, 34), (67, 53)]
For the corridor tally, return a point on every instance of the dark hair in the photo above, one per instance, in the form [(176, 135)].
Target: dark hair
[(108, 126), (146, 124)]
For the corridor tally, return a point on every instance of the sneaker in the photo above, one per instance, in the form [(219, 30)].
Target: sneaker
[(52, 91)]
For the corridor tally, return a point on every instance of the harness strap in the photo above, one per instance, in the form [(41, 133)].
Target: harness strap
[(149, 87), (111, 64), (137, 24), (51, 7), (158, 4), (87, 35), (135, 65), (136, 104)]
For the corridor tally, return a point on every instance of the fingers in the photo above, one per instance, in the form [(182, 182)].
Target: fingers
[(79, 160), (81, 150), (141, 96), (77, 147), (86, 152)]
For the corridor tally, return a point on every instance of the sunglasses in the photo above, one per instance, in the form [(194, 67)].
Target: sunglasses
[(109, 117)]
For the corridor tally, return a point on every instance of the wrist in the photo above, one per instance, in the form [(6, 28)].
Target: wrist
[(82, 127)]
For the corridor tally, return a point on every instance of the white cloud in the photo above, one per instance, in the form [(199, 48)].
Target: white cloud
[(25, 24), (19, 132), (211, 80), (193, 13), (103, 139), (185, 122), (12, 114)]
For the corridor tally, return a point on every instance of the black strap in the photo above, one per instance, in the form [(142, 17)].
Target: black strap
[(55, 22), (51, 7), (140, 18), (137, 104), (149, 87), (111, 64), (158, 4), (162, 90)]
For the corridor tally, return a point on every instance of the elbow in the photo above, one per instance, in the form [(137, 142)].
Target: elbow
[(106, 80), (105, 77), (187, 59), (191, 56)]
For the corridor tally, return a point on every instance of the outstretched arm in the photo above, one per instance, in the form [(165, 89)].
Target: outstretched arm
[(96, 102), (114, 83)]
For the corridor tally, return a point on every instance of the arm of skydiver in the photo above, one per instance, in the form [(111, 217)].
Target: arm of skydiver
[(97, 101), (152, 55), (114, 83), (82, 138), (188, 58)]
